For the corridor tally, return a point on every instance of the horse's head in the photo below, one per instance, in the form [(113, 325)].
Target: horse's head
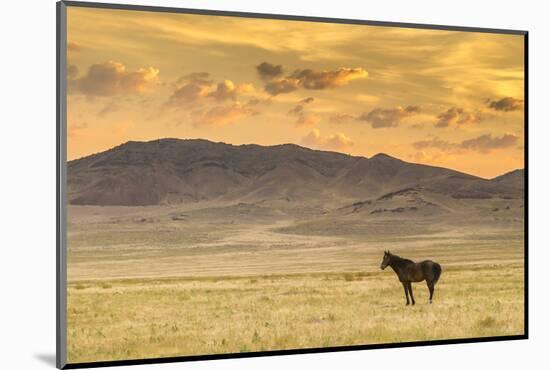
[(385, 260)]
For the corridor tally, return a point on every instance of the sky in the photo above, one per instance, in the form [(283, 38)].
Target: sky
[(443, 98)]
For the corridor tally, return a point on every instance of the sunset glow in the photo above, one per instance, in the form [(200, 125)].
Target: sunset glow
[(444, 98)]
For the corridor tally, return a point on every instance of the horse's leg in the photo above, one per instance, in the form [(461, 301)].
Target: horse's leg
[(406, 292), (431, 288), (411, 291)]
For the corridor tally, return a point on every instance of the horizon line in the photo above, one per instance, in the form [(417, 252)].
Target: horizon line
[(282, 144)]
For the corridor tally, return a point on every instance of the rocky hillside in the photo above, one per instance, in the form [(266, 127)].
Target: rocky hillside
[(171, 171)]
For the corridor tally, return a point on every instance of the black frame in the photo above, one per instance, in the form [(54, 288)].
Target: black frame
[(61, 140)]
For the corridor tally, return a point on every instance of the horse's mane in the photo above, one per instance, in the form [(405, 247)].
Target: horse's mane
[(401, 260)]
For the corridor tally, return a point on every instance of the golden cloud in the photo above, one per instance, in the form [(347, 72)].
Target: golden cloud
[(307, 120), (508, 104), (486, 143), (225, 114), (283, 86), (379, 118), (72, 72), (73, 46), (227, 90), (196, 86), (268, 71), (341, 118), (297, 110), (111, 78), (307, 100), (314, 80), (436, 143), (74, 129), (190, 88), (482, 144), (337, 141), (304, 118), (110, 107), (423, 156), (457, 116)]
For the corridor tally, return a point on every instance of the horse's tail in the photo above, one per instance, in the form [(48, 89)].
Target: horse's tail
[(437, 272)]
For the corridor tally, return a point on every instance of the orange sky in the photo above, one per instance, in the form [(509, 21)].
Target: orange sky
[(445, 98)]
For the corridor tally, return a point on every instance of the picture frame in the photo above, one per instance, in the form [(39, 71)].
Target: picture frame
[(520, 235)]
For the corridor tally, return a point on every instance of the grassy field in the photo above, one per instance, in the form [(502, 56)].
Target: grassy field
[(121, 319), (144, 283)]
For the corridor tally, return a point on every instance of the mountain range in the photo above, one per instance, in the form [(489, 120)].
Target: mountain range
[(174, 171)]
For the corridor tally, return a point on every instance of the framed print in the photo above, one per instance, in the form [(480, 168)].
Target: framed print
[(234, 184)]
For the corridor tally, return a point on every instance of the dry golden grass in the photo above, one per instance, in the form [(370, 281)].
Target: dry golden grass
[(144, 283), (144, 318)]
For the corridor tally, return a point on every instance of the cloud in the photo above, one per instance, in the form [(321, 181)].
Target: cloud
[(74, 129), (227, 90), (197, 77), (457, 116), (307, 100), (436, 143), (283, 86), (299, 108), (448, 117), (307, 120), (412, 109), (224, 114), (422, 156), (111, 78), (314, 80), (469, 118), (338, 141), (255, 102), (205, 101), (304, 118), (268, 71), (197, 86), (112, 106), (417, 126), (487, 143), (72, 72), (73, 46), (188, 93), (313, 139), (340, 118), (508, 104), (379, 118), (483, 144)]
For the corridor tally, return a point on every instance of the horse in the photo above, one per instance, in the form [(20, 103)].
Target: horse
[(411, 272)]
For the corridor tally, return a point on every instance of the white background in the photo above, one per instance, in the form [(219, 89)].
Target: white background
[(27, 193)]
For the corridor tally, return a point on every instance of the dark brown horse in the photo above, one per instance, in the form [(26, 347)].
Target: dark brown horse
[(411, 272)]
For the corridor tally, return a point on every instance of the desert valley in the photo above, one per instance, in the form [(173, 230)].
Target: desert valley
[(183, 247)]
